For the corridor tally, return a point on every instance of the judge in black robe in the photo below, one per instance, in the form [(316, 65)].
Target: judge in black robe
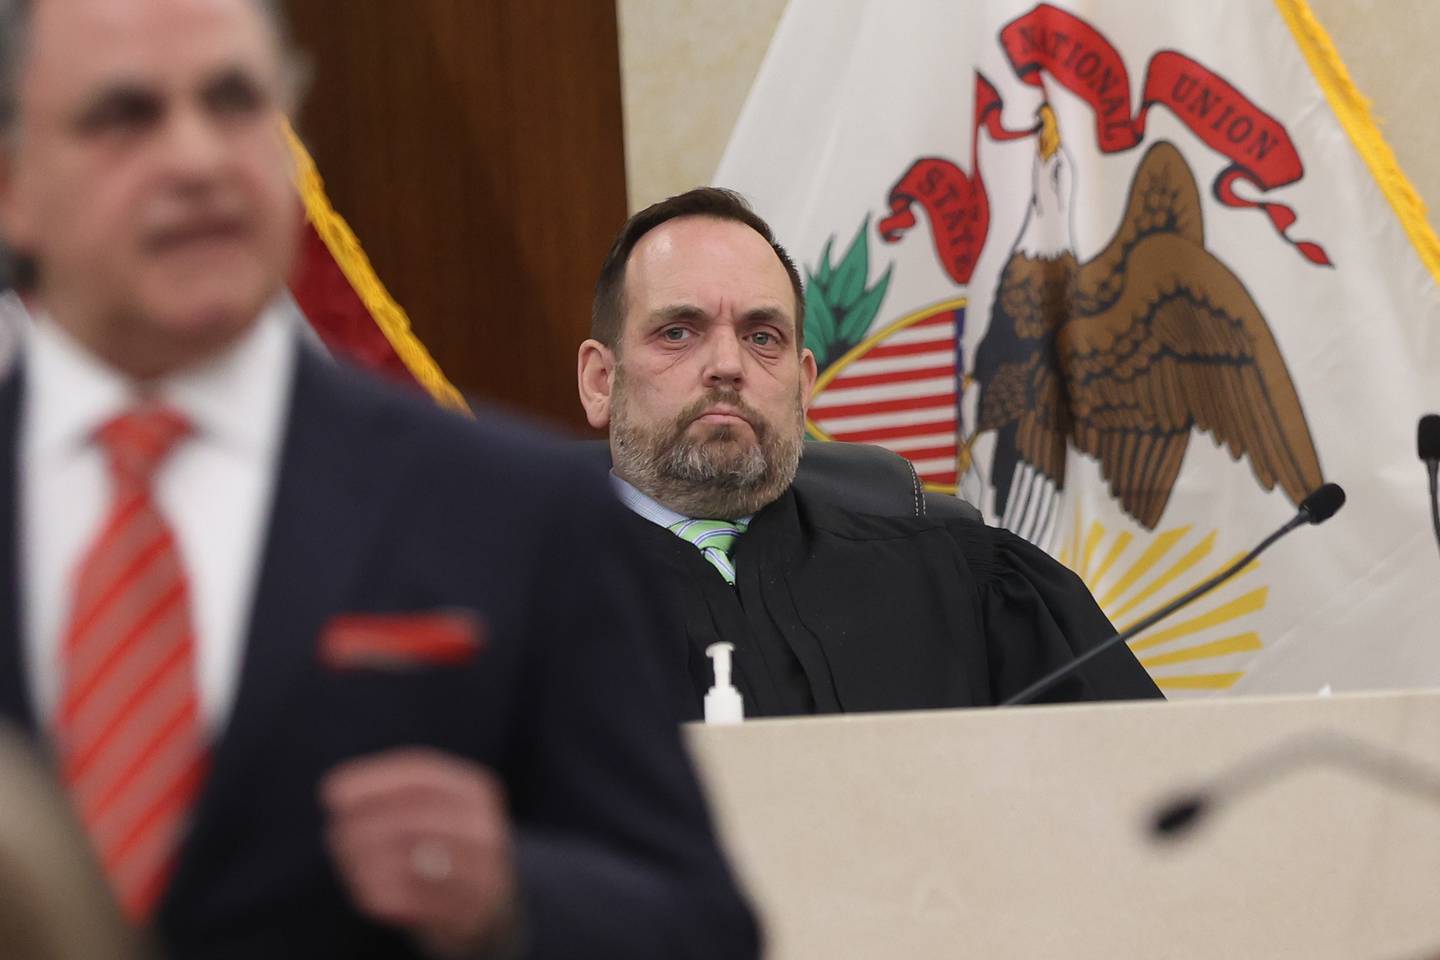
[(697, 367)]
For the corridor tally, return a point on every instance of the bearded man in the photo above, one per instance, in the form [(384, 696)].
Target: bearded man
[(697, 367)]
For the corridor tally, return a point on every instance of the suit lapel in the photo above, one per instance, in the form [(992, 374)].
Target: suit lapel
[(328, 505), (15, 703)]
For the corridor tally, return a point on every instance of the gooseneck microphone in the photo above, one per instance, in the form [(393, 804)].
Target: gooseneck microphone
[(1316, 508), (1427, 444), (1174, 820)]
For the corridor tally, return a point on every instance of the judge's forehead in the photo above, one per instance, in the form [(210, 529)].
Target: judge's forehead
[(709, 251)]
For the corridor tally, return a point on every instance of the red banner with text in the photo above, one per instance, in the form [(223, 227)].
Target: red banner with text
[(1051, 42)]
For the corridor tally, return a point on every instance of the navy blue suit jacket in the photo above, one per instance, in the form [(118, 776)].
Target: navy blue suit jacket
[(385, 504)]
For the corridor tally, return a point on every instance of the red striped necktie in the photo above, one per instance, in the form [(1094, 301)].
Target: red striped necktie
[(129, 729)]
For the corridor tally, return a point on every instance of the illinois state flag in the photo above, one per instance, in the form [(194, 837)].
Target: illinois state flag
[(1134, 278)]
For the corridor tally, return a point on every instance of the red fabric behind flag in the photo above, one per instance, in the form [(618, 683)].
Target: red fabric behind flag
[(337, 314)]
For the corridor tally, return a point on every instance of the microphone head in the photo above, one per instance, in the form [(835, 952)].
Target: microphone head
[(1176, 818), (1427, 437), (1323, 503)]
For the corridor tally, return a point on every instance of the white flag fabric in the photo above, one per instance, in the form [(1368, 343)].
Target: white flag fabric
[(1134, 278)]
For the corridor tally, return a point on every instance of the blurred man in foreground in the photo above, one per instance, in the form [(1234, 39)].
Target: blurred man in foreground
[(326, 672), (697, 367)]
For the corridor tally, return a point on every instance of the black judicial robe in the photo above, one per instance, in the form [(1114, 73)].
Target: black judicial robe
[(843, 612)]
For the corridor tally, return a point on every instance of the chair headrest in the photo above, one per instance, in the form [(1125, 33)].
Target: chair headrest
[(861, 478)]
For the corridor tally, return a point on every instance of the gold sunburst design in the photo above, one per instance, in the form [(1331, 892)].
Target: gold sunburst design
[(1132, 577)]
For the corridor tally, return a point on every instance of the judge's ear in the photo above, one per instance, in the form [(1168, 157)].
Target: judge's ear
[(595, 371), (808, 372)]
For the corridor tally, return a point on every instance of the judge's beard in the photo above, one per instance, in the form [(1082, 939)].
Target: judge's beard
[(715, 476)]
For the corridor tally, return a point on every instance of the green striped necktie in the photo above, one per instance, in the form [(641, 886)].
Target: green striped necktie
[(715, 539)]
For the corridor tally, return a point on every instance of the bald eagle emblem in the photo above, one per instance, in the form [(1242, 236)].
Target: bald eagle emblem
[(1121, 357), (1127, 354)]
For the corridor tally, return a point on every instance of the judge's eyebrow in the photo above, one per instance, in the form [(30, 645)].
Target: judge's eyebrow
[(771, 315), (678, 311)]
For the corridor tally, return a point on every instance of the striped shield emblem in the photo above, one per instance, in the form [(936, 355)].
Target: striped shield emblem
[(900, 388)]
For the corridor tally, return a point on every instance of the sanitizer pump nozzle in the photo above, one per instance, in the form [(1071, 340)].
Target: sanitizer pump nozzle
[(722, 703)]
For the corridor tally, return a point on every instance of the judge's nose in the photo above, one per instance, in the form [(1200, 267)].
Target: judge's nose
[(724, 362)]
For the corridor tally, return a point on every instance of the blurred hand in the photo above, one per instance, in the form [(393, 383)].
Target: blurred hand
[(422, 841)]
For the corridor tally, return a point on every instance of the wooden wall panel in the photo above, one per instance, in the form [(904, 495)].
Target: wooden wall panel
[(476, 148)]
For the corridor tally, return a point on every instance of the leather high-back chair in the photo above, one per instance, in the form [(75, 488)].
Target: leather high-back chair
[(861, 478)]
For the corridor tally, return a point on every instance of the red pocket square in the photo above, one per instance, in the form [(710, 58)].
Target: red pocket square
[(397, 640)]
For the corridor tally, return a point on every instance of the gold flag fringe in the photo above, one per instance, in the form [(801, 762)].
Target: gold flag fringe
[(345, 248)]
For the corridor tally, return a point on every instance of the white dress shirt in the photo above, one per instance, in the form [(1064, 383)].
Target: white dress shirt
[(643, 505), (214, 489)]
